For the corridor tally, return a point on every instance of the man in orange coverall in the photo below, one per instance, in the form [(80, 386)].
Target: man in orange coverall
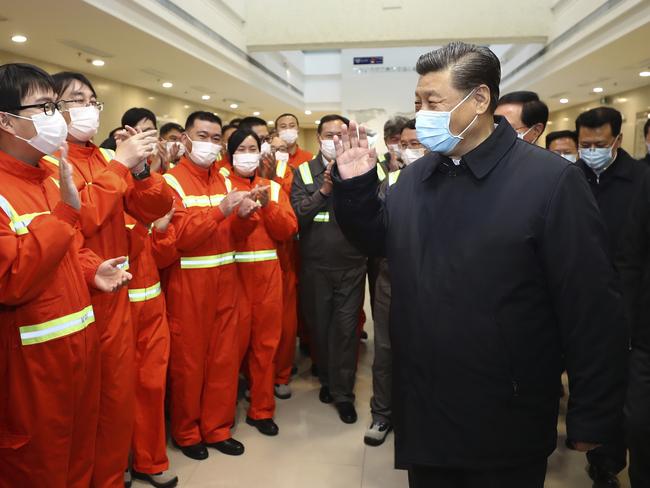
[(288, 130), (111, 183), (257, 260), (202, 289), (276, 167), (49, 344), (149, 316)]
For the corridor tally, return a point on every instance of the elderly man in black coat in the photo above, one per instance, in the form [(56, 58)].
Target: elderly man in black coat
[(501, 279)]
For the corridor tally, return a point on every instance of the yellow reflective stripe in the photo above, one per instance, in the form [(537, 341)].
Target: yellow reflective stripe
[(305, 173), (51, 159), (130, 226), (281, 169), (55, 181), (256, 256), (108, 154), (224, 171), (275, 191), (124, 266), (322, 217), (228, 183), (18, 223), (380, 172), (144, 294), (392, 177), (53, 329), (199, 262), (173, 182)]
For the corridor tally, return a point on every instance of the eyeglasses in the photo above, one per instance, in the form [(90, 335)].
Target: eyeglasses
[(48, 107), (80, 103)]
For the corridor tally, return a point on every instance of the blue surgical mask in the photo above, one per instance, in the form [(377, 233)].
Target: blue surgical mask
[(569, 157), (432, 129), (597, 158)]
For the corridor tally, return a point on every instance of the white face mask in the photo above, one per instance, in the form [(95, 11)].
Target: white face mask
[(266, 148), (412, 155), (289, 135), (84, 122), (246, 163), (170, 147), (204, 153), (521, 135), (51, 131), (281, 156), (328, 149)]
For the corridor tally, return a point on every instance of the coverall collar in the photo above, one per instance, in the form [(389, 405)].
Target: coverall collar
[(18, 168)]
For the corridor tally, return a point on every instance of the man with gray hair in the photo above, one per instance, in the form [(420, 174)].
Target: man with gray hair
[(500, 280)]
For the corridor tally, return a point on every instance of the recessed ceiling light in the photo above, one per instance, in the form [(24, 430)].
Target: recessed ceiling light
[(621, 100), (598, 89), (18, 38), (152, 98), (270, 122), (564, 100), (317, 122), (186, 106), (644, 73), (98, 62), (550, 122), (565, 119), (215, 113), (205, 97), (234, 105), (307, 112), (167, 84), (256, 113)]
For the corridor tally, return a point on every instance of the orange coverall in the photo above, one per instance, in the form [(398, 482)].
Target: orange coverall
[(107, 190), (49, 345), (202, 289), (261, 276), (299, 157), (149, 317)]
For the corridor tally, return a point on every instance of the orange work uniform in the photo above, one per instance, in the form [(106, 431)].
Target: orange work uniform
[(299, 157), (202, 289), (288, 254), (261, 276), (49, 345), (107, 190), (149, 318)]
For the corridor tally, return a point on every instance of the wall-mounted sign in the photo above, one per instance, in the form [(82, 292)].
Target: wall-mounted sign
[(369, 60)]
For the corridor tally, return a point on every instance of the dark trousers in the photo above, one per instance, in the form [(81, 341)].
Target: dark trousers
[(331, 300), (382, 365), (637, 413), (526, 476)]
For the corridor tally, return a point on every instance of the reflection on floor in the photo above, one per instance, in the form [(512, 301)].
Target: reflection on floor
[(316, 450)]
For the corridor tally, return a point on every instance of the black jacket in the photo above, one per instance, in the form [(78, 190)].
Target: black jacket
[(322, 244), (500, 279), (633, 263), (614, 190)]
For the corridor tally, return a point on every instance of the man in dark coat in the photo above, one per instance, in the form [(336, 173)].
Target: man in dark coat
[(501, 280)]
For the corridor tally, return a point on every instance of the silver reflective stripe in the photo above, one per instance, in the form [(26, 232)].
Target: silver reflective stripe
[(392, 177), (256, 256), (144, 294), (322, 217), (275, 191), (53, 329), (200, 262), (18, 223), (281, 169), (124, 266)]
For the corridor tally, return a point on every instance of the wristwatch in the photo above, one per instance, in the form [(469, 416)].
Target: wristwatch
[(145, 173)]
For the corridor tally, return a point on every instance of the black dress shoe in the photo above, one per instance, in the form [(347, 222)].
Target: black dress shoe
[(602, 478), (325, 396), (197, 452), (265, 426), (231, 447), (347, 413)]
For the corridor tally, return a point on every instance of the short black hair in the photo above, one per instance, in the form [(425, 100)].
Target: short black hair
[(202, 115), (228, 127), (287, 115), (250, 122), (330, 118), (238, 137), (64, 79), (599, 116), (646, 128), (533, 110), (470, 66), (19, 80), (394, 126), (109, 142), (561, 134), (170, 126), (409, 125), (235, 121), (134, 115)]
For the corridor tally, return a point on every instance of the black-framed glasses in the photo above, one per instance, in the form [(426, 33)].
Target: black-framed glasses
[(80, 103), (48, 107)]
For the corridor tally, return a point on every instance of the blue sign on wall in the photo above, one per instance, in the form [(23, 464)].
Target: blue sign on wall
[(369, 60)]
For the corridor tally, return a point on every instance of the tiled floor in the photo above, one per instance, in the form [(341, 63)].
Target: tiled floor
[(316, 450)]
